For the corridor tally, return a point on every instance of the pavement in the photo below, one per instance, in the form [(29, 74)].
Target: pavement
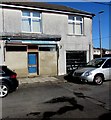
[(40, 79)]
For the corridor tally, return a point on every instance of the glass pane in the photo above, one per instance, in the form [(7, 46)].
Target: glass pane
[(26, 25), (25, 13), (78, 18), (32, 59), (79, 28), (36, 14), (1, 71), (32, 69), (70, 19), (36, 26), (71, 28)]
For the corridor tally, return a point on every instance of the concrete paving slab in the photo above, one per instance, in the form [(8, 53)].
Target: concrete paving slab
[(39, 79)]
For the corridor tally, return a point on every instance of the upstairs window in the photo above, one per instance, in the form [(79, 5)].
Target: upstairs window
[(75, 25), (31, 21)]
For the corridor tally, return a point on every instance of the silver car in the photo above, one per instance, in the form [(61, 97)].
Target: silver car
[(97, 70)]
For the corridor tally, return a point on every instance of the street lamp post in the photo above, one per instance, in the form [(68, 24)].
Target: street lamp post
[(100, 34)]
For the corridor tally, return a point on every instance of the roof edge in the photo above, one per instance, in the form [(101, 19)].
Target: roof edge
[(46, 7)]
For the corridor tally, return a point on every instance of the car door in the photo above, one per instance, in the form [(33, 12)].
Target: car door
[(107, 69)]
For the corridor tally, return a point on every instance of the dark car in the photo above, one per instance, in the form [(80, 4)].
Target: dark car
[(8, 81)]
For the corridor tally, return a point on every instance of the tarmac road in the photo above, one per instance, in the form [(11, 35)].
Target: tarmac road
[(58, 100)]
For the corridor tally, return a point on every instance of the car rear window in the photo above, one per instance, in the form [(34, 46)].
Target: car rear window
[(1, 71), (7, 70)]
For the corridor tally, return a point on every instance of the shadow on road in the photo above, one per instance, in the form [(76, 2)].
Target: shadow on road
[(106, 116), (72, 80), (76, 81), (72, 106)]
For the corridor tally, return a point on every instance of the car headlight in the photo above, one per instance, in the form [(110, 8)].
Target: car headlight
[(87, 73)]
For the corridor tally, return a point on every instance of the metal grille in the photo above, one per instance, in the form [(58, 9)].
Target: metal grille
[(74, 59)]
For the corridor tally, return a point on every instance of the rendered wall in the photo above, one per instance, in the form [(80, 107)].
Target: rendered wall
[(58, 24), (17, 61), (47, 63), (12, 20)]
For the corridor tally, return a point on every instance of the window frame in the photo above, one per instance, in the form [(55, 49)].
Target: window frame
[(74, 22), (31, 17)]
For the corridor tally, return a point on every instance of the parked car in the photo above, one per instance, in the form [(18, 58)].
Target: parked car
[(74, 66), (97, 71), (8, 81)]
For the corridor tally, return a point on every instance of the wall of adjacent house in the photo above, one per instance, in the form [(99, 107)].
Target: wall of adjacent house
[(17, 61)]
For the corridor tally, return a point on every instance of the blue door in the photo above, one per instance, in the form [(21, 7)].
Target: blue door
[(32, 63)]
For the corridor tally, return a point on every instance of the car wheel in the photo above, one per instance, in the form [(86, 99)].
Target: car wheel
[(98, 79), (4, 89)]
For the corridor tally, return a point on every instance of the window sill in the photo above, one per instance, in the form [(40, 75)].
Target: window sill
[(31, 32), (76, 35)]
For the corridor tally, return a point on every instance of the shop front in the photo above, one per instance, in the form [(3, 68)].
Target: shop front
[(32, 57)]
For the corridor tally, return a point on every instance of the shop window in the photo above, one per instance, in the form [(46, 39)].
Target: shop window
[(16, 48), (32, 47), (47, 48)]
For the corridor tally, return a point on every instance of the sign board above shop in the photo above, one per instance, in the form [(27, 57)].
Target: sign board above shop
[(32, 42), (38, 42)]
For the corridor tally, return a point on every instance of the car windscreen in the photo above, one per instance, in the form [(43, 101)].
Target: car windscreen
[(95, 63)]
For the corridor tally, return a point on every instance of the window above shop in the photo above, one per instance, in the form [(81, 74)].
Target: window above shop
[(47, 48), (16, 48), (31, 21), (75, 25)]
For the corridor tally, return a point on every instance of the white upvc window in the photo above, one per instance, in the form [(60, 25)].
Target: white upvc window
[(31, 21), (75, 25)]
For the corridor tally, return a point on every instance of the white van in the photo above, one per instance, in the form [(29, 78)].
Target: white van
[(97, 70)]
